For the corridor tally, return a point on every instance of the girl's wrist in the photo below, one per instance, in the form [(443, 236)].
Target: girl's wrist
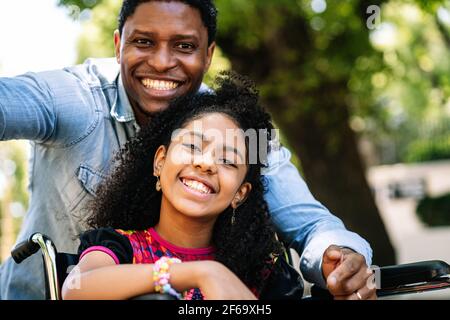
[(162, 278), (187, 275)]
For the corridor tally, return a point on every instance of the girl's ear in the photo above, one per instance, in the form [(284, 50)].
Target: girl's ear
[(241, 195), (158, 162)]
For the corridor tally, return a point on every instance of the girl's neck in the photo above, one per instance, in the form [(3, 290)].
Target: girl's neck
[(183, 231)]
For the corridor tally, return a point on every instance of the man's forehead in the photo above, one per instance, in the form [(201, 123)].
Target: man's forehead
[(158, 16)]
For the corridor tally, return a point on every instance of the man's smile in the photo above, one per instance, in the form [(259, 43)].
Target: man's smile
[(161, 85)]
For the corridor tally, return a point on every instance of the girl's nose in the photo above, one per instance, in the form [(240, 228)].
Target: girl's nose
[(205, 162)]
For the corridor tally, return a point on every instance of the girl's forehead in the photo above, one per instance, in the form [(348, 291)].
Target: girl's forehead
[(213, 126), (217, 128)]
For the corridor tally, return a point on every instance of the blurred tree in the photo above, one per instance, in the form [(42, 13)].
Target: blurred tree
[(303, 54), (410, 119)]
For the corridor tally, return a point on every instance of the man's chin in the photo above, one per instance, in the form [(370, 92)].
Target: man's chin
[(144, 112), (153, 107)]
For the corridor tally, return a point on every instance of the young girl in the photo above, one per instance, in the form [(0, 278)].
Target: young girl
[(183, 212)]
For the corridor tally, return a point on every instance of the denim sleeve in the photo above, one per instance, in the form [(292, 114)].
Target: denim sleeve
[(49, 107), (301, 221), (27, 109)]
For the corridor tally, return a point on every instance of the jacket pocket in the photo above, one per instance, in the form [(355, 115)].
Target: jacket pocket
[(90, 178)]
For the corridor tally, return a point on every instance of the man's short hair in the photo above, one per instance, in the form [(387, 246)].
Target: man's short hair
[(208, 12)]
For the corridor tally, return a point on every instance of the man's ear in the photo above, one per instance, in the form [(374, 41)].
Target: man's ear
[(210, 55), (241, 195), (117, 44), (158, 162)]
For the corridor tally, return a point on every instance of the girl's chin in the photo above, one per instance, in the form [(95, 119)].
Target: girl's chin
[(194, 213), (197, 212)]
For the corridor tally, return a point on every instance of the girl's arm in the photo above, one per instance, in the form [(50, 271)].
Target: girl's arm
[(97, 277)]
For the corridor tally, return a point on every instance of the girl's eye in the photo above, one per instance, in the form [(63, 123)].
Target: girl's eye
[(228, 162), (192, 147)]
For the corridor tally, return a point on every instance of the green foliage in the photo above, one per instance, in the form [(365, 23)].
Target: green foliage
[(409, 85), (428, 150), (435, 211), (97, 40), (81, 4)]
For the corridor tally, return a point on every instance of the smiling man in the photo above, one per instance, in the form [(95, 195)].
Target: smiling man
[(158, 63), (77, 118)]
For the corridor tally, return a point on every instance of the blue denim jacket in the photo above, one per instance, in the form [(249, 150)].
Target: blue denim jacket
[(76, 119)]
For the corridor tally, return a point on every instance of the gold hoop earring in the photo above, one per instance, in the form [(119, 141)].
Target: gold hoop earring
[(158, 184)]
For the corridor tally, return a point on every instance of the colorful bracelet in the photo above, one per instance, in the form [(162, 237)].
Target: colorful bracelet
[(161, 276)]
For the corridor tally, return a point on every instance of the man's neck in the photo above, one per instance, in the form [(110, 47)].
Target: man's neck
[(141, 118)]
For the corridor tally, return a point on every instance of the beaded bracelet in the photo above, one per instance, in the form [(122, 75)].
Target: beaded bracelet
[(161, 276)]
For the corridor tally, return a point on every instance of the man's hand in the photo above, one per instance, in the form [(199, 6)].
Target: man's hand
[(347, 275)]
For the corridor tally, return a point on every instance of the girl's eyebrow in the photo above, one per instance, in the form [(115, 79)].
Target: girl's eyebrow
[(225, 147)]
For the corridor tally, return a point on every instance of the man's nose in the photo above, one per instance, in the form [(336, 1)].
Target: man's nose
[(162, 59)]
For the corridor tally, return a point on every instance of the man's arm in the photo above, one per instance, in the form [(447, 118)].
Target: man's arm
[(26, 109), (49, 107), (301, 221)]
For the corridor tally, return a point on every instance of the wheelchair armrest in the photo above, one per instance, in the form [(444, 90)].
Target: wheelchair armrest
[(413, 273), (413, 277)]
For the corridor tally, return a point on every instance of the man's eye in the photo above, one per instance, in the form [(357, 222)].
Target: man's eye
[(185, 46), (143, 42)]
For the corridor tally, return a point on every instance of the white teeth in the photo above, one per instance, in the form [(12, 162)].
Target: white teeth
[(159, 85), (196, 185)]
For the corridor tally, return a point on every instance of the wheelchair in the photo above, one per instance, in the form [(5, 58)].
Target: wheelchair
[(391, 280)]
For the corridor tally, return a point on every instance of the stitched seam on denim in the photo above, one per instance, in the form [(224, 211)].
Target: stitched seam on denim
[(91, 171)]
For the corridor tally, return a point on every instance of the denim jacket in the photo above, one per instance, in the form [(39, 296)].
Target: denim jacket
[(76, 119)]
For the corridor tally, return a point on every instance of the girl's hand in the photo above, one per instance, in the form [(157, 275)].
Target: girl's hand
[(217, 282)]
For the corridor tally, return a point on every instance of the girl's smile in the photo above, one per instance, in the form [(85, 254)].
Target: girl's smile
[(196, 188)]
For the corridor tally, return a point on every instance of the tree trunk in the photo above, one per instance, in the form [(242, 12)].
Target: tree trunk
[(333, 167)]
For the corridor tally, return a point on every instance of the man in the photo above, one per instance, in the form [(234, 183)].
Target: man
[(77, 118)]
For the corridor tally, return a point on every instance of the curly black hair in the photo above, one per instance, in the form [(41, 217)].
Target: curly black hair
[(128, 200), (208, 12)]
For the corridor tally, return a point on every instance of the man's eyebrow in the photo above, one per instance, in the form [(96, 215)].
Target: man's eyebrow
[(174, 37), (141, 32)]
